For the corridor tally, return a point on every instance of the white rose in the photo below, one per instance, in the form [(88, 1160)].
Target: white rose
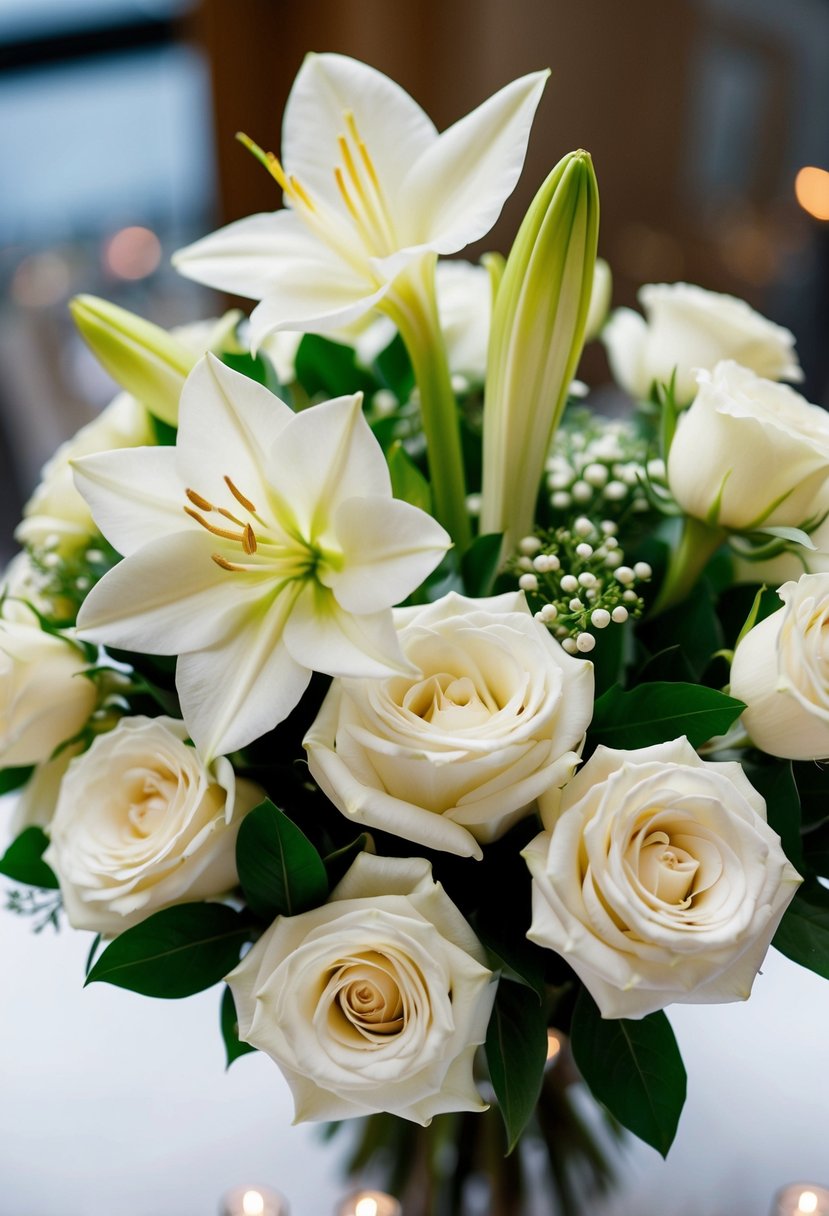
[(749, 452), (457, 754), (44, 697), (660, 880), (142, 823), (35, 802), (56, 509), (375, 1001), (687, 329), (781, 671)]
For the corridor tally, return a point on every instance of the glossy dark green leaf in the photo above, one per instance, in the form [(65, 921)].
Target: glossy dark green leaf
[(777, 785), (803, 933), (23, 860), (13, 778), (234, 1047), (394, 368), (407, 482), (693, 626), (175, 952), (323, 366), (280, 870), (479, 564), (655, 713), (670, 664), (338, 862), (516, 1052), (634, 1068)]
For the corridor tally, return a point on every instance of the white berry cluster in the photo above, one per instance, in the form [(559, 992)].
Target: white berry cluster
[(58, 579), (600, 465), (577, 583)]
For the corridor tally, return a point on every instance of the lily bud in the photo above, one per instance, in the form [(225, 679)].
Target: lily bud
[(143, 358), (537, 336)]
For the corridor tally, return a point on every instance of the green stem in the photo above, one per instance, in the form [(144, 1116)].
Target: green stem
[(697, 545), (413, 308)]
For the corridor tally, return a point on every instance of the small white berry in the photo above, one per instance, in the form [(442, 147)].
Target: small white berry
[(600, 617), (575, 604), (459, 383), (630, 596), (642, 570), (528, 582), (624, 574), (583, 527), (384, 402), (586, 579), (524, 563), (569, 644), (549, 613), (529, 545), (474, 503), (596, 475), (584, 550), (581, 491), (585, 642), (561, 500), (619, 614), (569, 583), (656, 470), (614, 491), (609, 527)]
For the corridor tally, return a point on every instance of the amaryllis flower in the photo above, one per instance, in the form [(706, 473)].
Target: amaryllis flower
[(370, 187), (264, 545)]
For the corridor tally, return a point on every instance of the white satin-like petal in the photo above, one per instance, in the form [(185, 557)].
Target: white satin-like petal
[(458, 185), (315, 298), (246, 257), (321, 635), (391, 124), (133, 494)]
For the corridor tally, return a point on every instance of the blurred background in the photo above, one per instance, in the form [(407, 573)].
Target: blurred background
[(708, 121)]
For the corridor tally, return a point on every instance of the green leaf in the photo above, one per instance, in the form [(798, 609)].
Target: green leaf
[(23, 860), (796, 535), (13, 778), (174, 952), (777, 785), (340, 860), (323, 366), (813, 787), (655, 713), (407, 481), (479, 564), (234, 1047), (280, 870), (255, 367), (633, 1068), (516, 1052), (394, 368), (803, 933), (669, 664), (693, 626)]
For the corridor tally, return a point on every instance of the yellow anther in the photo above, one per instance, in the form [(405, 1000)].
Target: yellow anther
[(205, 523), (198, 501), (225, 564), (249, 539), (239, 496)]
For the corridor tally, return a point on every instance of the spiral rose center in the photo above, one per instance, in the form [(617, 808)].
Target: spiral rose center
[(667, 871), (447, 702), (367, 1000), (149, 795)]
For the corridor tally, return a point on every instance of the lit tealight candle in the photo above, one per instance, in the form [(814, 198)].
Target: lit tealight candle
[(801, 1199), (253, 1201), (369, 1203), (553, 1045)]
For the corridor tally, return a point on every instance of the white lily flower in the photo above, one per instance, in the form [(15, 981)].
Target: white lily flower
[(370, 188), (264, 545)]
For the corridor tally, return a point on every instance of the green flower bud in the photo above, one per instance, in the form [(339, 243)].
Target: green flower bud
[(538, 330)]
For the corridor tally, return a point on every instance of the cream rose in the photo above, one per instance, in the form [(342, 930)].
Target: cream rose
[(44, 697), (750, 452), (781, 671), (141, 823), (375, 1001), (660, 880), (453, 757), (687, 329)]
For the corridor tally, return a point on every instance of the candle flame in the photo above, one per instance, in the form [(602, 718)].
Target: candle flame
[(811, 187), (366, 1206), (807, 1201), (253, 1204)]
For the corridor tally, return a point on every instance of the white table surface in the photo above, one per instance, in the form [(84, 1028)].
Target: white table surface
[(113, 1103)]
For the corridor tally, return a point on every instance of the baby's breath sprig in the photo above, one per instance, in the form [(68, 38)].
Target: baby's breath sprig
[(61, 579), (577, 583), (601, 466)]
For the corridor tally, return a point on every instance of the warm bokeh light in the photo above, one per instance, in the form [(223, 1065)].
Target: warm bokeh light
[(808, 1199), (132, 253), (811, 186), (365, 1207), (40, 280), (252, 1203), (553, 1045)]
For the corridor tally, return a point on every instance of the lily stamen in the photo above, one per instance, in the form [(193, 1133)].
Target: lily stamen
[(225, 564), (233, 518), (198, 501), (205, 523), (239, 496), (249, 539)]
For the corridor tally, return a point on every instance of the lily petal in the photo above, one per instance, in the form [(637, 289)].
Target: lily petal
[(133, 493), (227, 415), (391, 124), (459, 184), (321, 635), (389, 547), (315, 298), (167, 598), (236, 691), (329, 455), (246, 257)]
